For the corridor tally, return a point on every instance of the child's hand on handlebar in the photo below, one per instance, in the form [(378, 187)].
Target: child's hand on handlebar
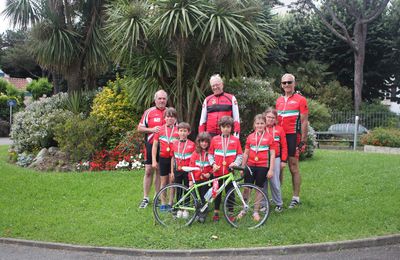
[(216, 167)]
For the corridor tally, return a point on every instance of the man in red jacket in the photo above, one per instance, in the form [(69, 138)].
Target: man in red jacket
[(293, 117), (216, 106)]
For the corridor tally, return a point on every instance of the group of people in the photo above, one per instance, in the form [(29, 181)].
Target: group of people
[(280, 134)]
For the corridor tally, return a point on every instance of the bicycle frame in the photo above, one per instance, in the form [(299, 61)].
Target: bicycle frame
[(195, 188)]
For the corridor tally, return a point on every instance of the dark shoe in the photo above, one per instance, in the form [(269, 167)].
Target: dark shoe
[(278, 209), (144, 203), (293, 204)]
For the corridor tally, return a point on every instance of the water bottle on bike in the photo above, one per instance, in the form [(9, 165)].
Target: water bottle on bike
[(215, 188)]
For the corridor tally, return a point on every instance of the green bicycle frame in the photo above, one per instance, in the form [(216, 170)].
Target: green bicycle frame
[(227, 179)]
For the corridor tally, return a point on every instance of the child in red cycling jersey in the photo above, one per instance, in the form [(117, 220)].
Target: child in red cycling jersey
[(225, 152), (200, 159), (182, 152), (164, 139), (259, 155), (281, 154)]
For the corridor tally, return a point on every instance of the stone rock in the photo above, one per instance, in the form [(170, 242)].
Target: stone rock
[(52, 160), (53, 150)]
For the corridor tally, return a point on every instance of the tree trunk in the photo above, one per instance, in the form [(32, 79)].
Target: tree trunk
[(74, 77), (360, 35)]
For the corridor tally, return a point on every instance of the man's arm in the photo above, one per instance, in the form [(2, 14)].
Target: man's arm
[(304, 127), (236, 117), (203, 117)]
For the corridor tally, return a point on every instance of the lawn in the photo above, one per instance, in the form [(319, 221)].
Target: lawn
[(345, 195)]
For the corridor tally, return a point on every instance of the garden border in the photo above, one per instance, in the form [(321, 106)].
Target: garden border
[(273, 250)]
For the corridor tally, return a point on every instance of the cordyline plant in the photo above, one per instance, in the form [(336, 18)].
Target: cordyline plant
[(178, 44)]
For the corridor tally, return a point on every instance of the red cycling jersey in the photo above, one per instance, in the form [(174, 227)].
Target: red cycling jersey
[(259, 146), (182, 152), (201, 161), (152, 117), (224, 156), (165, 138), (279, 136), (215, 107), (289, 111)]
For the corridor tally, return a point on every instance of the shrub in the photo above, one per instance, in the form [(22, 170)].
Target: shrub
[(80, 102), (33, 128), (311, 144), (382, 137), (80, 138), (40, 87), (5, 109), (335, 96), (3, 86), (319, 115), (4, 128), (254, 96), (112, 106), (127, 154)]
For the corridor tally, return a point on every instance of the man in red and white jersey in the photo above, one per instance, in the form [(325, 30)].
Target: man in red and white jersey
[(151, 122), (293, 117), (216, 106)]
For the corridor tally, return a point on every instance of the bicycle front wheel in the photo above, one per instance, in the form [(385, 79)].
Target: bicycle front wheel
[(175, 206), (247, 206)]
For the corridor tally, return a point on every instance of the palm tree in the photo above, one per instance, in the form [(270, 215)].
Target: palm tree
[(180, 43), (66, 36)]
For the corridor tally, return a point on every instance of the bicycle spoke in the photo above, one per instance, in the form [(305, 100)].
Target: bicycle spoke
[(251, 214), (174, 206)]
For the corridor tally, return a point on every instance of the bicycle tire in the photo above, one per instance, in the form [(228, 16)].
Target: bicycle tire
[(170, 217), (241, 217)]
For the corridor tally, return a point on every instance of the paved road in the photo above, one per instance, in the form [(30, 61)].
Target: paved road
[(19, 252), (5, 141)]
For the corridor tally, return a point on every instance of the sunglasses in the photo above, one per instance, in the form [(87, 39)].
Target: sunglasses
[(286, 82)]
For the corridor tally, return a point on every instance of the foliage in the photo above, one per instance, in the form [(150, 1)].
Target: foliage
[(5, 109), (79, 137), (112, 106), (311, 144), (15, 59), (177, 45), (40, 87), (25, 159), (66, 37), (113, 197), (335, 96), (382, 137), (254, 96), (374, 114), (319, 115), (4, 128), (33, 128), (80, 102)]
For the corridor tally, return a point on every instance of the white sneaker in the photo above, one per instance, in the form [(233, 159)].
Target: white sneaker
[(185, 214), (179, 214)]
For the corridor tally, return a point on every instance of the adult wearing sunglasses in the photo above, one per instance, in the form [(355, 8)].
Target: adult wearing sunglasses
[(293, 117)]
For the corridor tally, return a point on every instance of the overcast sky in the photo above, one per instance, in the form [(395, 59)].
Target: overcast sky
[(4, 24)]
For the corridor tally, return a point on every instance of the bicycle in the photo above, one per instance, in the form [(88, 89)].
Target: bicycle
[(240, 204)]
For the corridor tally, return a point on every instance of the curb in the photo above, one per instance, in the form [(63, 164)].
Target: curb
[(273, 250)]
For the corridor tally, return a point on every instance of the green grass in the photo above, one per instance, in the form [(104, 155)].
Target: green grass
[(345, 195)]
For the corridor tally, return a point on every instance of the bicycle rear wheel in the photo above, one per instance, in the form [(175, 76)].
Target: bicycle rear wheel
[(250, 215), (175, 206)]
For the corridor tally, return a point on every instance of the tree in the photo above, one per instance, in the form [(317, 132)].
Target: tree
[(362, 13), (66, 36), (14, 58), (178, 44)]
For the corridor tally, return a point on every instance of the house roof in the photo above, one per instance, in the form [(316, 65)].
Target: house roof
[(19, 83)]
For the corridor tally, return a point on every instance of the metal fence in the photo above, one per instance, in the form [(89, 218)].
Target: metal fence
[(369, 120)]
